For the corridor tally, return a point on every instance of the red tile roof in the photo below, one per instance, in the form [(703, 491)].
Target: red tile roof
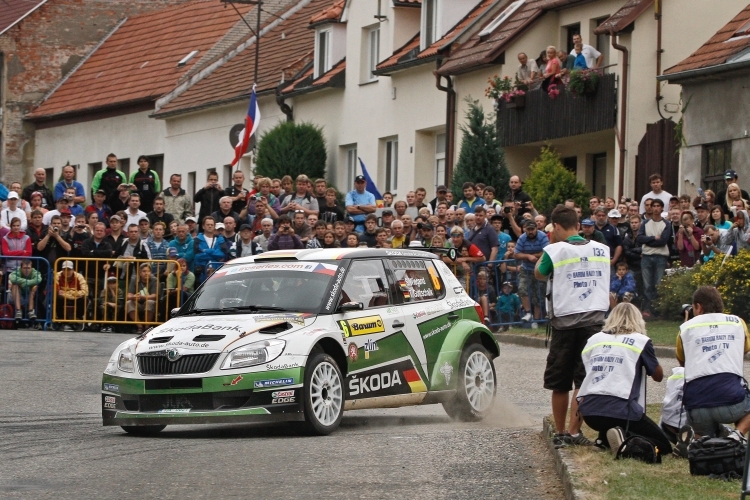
[(332, 13), (623, 17), (409, 53), (305, 83), (12, 11), (138, 62), (234, 79), (727, 42), (479, 52)]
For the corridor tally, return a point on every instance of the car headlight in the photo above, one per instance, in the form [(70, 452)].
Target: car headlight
[(126, 360), (253, 354)]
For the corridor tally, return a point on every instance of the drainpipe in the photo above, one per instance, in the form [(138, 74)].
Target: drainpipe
[(450, 125), (623, 109)]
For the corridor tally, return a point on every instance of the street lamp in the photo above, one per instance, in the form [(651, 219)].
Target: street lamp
[(255, 31)]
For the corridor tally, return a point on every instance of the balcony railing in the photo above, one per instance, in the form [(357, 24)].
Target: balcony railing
[(543, 119)]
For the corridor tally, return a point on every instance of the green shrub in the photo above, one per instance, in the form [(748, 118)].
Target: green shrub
[(481, 158), (673, 291), (292, 149), (550, 183)]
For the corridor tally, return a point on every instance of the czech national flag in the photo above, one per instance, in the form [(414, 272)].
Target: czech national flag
[(251, 125)]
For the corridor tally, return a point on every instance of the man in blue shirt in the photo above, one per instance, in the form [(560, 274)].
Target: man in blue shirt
[(68, 181), (359, 203), (470, 200), (529, 249), (611, 233), (483, 235)]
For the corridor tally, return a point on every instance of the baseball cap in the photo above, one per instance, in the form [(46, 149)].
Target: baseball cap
[(427, 226), (113, 217), (587, 222), (68, 264), (441, 189), (65, 211), (189, 219), (349, 220), (496, 217), (508, 283), (415, 243), (387, 211), (529, 223), (246, 226), (702, 206), (730, 174), (360, 178), (172, 251), (219, 225), (614, 213), (61, 198), (12, 195), (101, 191), (114, 278)]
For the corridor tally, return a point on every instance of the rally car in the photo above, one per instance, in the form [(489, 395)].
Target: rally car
[(303, 336)]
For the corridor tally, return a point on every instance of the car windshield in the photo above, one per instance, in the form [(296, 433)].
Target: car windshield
[(296, 286)]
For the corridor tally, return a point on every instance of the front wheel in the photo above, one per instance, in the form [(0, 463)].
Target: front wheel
[(476, 385), (143, 430), (324, 395)]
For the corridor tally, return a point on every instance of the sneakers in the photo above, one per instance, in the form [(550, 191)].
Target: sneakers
[(526, 317), (67, 328), (534, 325), (487, 322), (561, 440), (106, 329), (32, 314), (615, 437), (19, 315), (737, 436), (684, 438), (580, 440)]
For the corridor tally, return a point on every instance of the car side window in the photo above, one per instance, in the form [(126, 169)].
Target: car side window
[(418, 280), (367, 284)]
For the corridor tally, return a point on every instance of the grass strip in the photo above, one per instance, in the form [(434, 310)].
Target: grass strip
[(600, 476), (663, 333)]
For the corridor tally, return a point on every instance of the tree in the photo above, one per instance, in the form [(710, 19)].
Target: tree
[(481, 158), (550, 183), (292, 149)]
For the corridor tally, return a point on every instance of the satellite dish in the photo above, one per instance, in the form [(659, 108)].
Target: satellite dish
[(234, 136)]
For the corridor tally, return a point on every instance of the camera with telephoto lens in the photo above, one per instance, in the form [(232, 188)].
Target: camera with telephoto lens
[(253, 198), (258, 232), (419, 225), (688, 308), (508, 210)]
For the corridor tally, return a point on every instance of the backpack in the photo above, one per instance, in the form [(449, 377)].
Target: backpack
[(639, 448), (718, 456), (7, 318)]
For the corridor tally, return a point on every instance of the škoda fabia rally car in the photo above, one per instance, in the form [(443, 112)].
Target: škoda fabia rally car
[(303, 336)]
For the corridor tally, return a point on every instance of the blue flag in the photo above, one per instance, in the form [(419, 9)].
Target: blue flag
[(371, 187)]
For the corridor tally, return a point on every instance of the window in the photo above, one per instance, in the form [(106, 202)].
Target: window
[(322, 53), (417, 280), (227, 176), (123, 165), (573, 30), (391, 165), (571, 163), (351, 166), (93, 169), (429, 23), (717, 158), (439, 159), (602, 43), (50, 180), (599, 180), (367, 284), (191, 184), (373, 52), (504, 15)]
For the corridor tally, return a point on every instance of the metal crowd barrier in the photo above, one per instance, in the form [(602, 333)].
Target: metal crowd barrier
[(85, 295), (500, 271), (18, 274)]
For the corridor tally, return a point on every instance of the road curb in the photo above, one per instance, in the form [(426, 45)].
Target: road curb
[(563, 463), (529, 341)]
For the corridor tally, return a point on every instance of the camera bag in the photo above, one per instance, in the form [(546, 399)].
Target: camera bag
[(717, 456), (639, 448)]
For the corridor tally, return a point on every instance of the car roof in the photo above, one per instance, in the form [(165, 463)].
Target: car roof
[(315, 254)]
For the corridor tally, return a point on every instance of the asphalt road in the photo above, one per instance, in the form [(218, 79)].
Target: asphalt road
[(52, 444)]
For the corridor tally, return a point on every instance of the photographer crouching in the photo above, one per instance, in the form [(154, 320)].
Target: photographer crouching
[(711, 347)]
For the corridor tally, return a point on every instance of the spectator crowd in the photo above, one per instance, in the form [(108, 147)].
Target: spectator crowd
[(134, 218)]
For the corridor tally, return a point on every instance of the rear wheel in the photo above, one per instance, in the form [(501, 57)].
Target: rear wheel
[(475, 387), (324, 394), (143, 430)]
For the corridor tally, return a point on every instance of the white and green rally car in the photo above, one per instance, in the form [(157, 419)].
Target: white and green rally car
[(304, 335)]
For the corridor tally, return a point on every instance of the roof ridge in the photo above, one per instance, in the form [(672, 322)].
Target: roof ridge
[(228, 55), (24, 16)]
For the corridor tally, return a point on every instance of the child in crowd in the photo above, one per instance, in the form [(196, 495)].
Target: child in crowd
[(111, 300), (621, 285), (508, 305)]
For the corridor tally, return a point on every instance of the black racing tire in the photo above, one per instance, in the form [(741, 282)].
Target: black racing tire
[(143, 430), (475, 387), (323, 394)]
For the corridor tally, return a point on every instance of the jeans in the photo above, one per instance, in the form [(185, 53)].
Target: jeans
[(705, 421), (652, 269)]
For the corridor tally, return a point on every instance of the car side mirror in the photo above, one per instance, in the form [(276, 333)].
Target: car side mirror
[(174, 312), (351, 306)]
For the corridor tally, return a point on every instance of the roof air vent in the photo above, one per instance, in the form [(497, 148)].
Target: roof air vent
[(187, 59)]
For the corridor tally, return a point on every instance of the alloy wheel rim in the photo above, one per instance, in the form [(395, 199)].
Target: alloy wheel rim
[(479, 381), (326, 393)]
